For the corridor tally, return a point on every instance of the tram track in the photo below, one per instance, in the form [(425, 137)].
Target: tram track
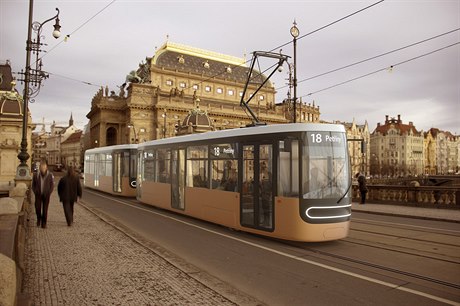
[(378, 266)]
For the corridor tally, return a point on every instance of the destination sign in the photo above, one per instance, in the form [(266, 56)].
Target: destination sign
[(325, 138), (223, 151)]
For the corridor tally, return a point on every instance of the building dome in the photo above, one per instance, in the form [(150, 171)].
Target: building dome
[(10, 105), (197, 121)]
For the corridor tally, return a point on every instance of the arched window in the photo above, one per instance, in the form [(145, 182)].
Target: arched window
[(111, 136)]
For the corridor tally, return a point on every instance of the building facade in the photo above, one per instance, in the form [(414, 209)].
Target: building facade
[(442, 152), (356, 135), (47, 145), (71, 151), (397, 149), (11, 118), (177, 79)]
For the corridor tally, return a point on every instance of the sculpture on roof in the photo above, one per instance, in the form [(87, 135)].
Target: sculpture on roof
[(142, 74)]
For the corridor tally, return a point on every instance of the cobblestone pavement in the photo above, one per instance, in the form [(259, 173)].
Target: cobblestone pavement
[(93, 263)]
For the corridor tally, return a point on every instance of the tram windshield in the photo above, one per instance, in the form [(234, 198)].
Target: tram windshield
[(325, 165)]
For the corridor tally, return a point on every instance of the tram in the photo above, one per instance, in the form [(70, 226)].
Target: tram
[(112, 169), (287, 181)]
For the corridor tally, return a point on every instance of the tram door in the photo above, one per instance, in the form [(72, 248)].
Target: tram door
[(178, 178), (117, 171), (257, 186)]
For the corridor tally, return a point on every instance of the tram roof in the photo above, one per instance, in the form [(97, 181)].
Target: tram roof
[(247, 131), (112, 148)]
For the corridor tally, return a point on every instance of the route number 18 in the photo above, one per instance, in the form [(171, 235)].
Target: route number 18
[(316, 138)]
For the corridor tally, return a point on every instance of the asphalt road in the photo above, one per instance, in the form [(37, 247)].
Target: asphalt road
[(385, 260)]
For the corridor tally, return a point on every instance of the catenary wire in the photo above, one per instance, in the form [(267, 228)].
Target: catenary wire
[(307, 34), (370, 58), (74, 31), (379, 70), (234, 66)]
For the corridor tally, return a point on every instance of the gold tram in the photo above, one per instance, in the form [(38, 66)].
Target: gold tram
[(289, 181), (112, 169)]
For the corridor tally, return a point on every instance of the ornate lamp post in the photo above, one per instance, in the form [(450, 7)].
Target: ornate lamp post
[(32, 81), (295, 33)]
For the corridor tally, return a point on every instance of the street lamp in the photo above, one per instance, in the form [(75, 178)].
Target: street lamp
[(131, 126), (295, 33), (32, 81)]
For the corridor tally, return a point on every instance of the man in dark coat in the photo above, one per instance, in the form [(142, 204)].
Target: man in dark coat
[(42, 186), (362, 187), (69, 190)]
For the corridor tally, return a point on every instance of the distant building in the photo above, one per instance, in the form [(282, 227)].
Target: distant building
[(397, 149), (71, 151), (359, 160), (177, 79), (48, 144), (11, 118), (442, 152)]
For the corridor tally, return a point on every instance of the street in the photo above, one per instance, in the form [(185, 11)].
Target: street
[(385, 260)]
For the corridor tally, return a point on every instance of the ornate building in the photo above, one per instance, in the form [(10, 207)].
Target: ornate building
[(47, 145), (359, 160), (442, 152), (11, 117), (71, 151), (397, 149), (166, 87)]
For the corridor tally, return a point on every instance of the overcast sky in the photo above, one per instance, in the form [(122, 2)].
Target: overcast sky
[(425, 91)]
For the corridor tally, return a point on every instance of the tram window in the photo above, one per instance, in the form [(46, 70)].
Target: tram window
[(325, 165), (108, 165), (288, 168), (132, 164), (149, 162), (197, 166), (125, 166), (162, 169), (224, 174), (101, 165)]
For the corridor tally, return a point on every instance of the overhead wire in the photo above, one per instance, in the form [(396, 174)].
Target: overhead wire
[(371, 58), (73, 79), (329, 24), (218, 74), (380, 70), (78, 28), (307, 34)]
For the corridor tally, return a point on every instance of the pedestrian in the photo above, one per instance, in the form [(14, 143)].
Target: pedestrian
[(42, 186), (362, 187), (69, 190)]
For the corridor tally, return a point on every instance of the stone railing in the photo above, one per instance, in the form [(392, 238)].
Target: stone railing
[(13, 216), (428, 196)]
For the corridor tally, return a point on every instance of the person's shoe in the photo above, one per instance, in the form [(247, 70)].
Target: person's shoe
[(38, 223), (43, 225)]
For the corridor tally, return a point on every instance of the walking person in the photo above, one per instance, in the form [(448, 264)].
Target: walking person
[(69, 191), (42, 186), (362, 187)]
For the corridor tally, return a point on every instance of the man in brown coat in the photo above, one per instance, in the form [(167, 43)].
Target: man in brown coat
[(42, 186)]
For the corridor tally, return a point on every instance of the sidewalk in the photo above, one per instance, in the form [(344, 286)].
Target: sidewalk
[(94, 263), (441, 214)]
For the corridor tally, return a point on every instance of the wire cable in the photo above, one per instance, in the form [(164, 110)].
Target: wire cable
[(380, 70), (370, 58), (73, 79), (329, 24), (74, 31), (307, 34)]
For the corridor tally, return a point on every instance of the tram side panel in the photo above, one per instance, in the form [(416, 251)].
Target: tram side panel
[(290, 226), (126, 189), (156, 194), (221, 207)]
